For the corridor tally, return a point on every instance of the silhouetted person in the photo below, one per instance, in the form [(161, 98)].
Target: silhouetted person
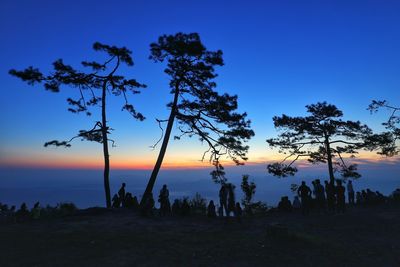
[(231, 199), (359, 199), (340, 196), (350, 192), (284, 204), (223, 198), (238, 211), (36, 211), (149, 206), (220, 211), (23, 213), (281, 204), (176, 207), (211, 210), (185, 209), (380, 197), (371, 197), (9, 213), (163, 198), (330, 195), (121, 194), (296, 203), (364, 197), (135, 203), (396, 195), (305, 194), (319, 196), (129, 201), (116, 203), (314, 188)]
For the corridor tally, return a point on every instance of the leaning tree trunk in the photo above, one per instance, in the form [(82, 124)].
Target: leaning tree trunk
[(105, 146), (157, 166), (329, 156)]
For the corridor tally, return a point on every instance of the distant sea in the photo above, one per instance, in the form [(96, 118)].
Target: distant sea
[(85, 187)]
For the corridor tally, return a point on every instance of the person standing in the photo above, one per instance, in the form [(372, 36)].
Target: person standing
[(115, 201), (121, 194), (340, 198), (330, 195), (163, 198), (304, 193), (350, 192), (149, 205), (36, 211), (319, 196), (211, 210), (231, 199), (238, 212), (223, 198), (296, 203)]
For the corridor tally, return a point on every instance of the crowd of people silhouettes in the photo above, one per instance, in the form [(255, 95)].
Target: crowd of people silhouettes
[(331, 197), (124, 200), (321, 199)]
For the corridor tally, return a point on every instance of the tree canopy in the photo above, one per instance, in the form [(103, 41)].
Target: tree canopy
[(321, 137), (202, 111), (87, 82)]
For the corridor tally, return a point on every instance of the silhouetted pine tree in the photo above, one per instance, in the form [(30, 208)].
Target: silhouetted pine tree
[(93, 87), (198, 109), (319, 138), (386, 141)]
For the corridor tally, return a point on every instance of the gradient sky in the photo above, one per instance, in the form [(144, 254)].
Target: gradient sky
[(279, 56)]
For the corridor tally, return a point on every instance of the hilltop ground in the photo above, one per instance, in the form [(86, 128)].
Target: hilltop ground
[(361, 237)]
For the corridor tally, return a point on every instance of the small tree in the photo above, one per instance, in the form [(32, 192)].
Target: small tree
[(199, 110), (92, 87), (249, 189), (320, 138), (387, 140)]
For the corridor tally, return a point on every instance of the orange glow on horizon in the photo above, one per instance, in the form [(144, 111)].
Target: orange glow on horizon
[(69, 163), (174, 163)]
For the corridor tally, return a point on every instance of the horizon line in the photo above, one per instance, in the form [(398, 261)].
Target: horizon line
[(184, 165)]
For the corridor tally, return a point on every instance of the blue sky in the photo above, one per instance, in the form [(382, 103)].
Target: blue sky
[(279, 56)]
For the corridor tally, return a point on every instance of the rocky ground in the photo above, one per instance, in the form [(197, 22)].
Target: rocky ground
[(361, 237)]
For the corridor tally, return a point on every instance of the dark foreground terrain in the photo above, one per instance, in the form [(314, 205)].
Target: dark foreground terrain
[(361, 237)]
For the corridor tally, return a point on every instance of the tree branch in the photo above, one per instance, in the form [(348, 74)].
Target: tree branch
[(162, 133)]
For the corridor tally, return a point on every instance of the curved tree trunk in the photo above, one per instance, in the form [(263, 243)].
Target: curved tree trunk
[(105, 146), (157, 166), (329, 156)]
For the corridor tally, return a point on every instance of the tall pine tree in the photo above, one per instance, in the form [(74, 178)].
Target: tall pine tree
[(93, 87), (196, 107)]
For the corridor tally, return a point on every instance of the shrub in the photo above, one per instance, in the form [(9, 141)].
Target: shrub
[(259, 208), (67, 208), (198, 205), (249, 189)]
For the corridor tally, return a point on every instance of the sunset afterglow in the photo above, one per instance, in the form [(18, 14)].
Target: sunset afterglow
[(275, 68)]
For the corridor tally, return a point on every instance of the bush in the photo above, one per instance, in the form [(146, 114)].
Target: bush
[(249, 189), (198, 205), (62, 209), (259, 208), (66, 208)]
